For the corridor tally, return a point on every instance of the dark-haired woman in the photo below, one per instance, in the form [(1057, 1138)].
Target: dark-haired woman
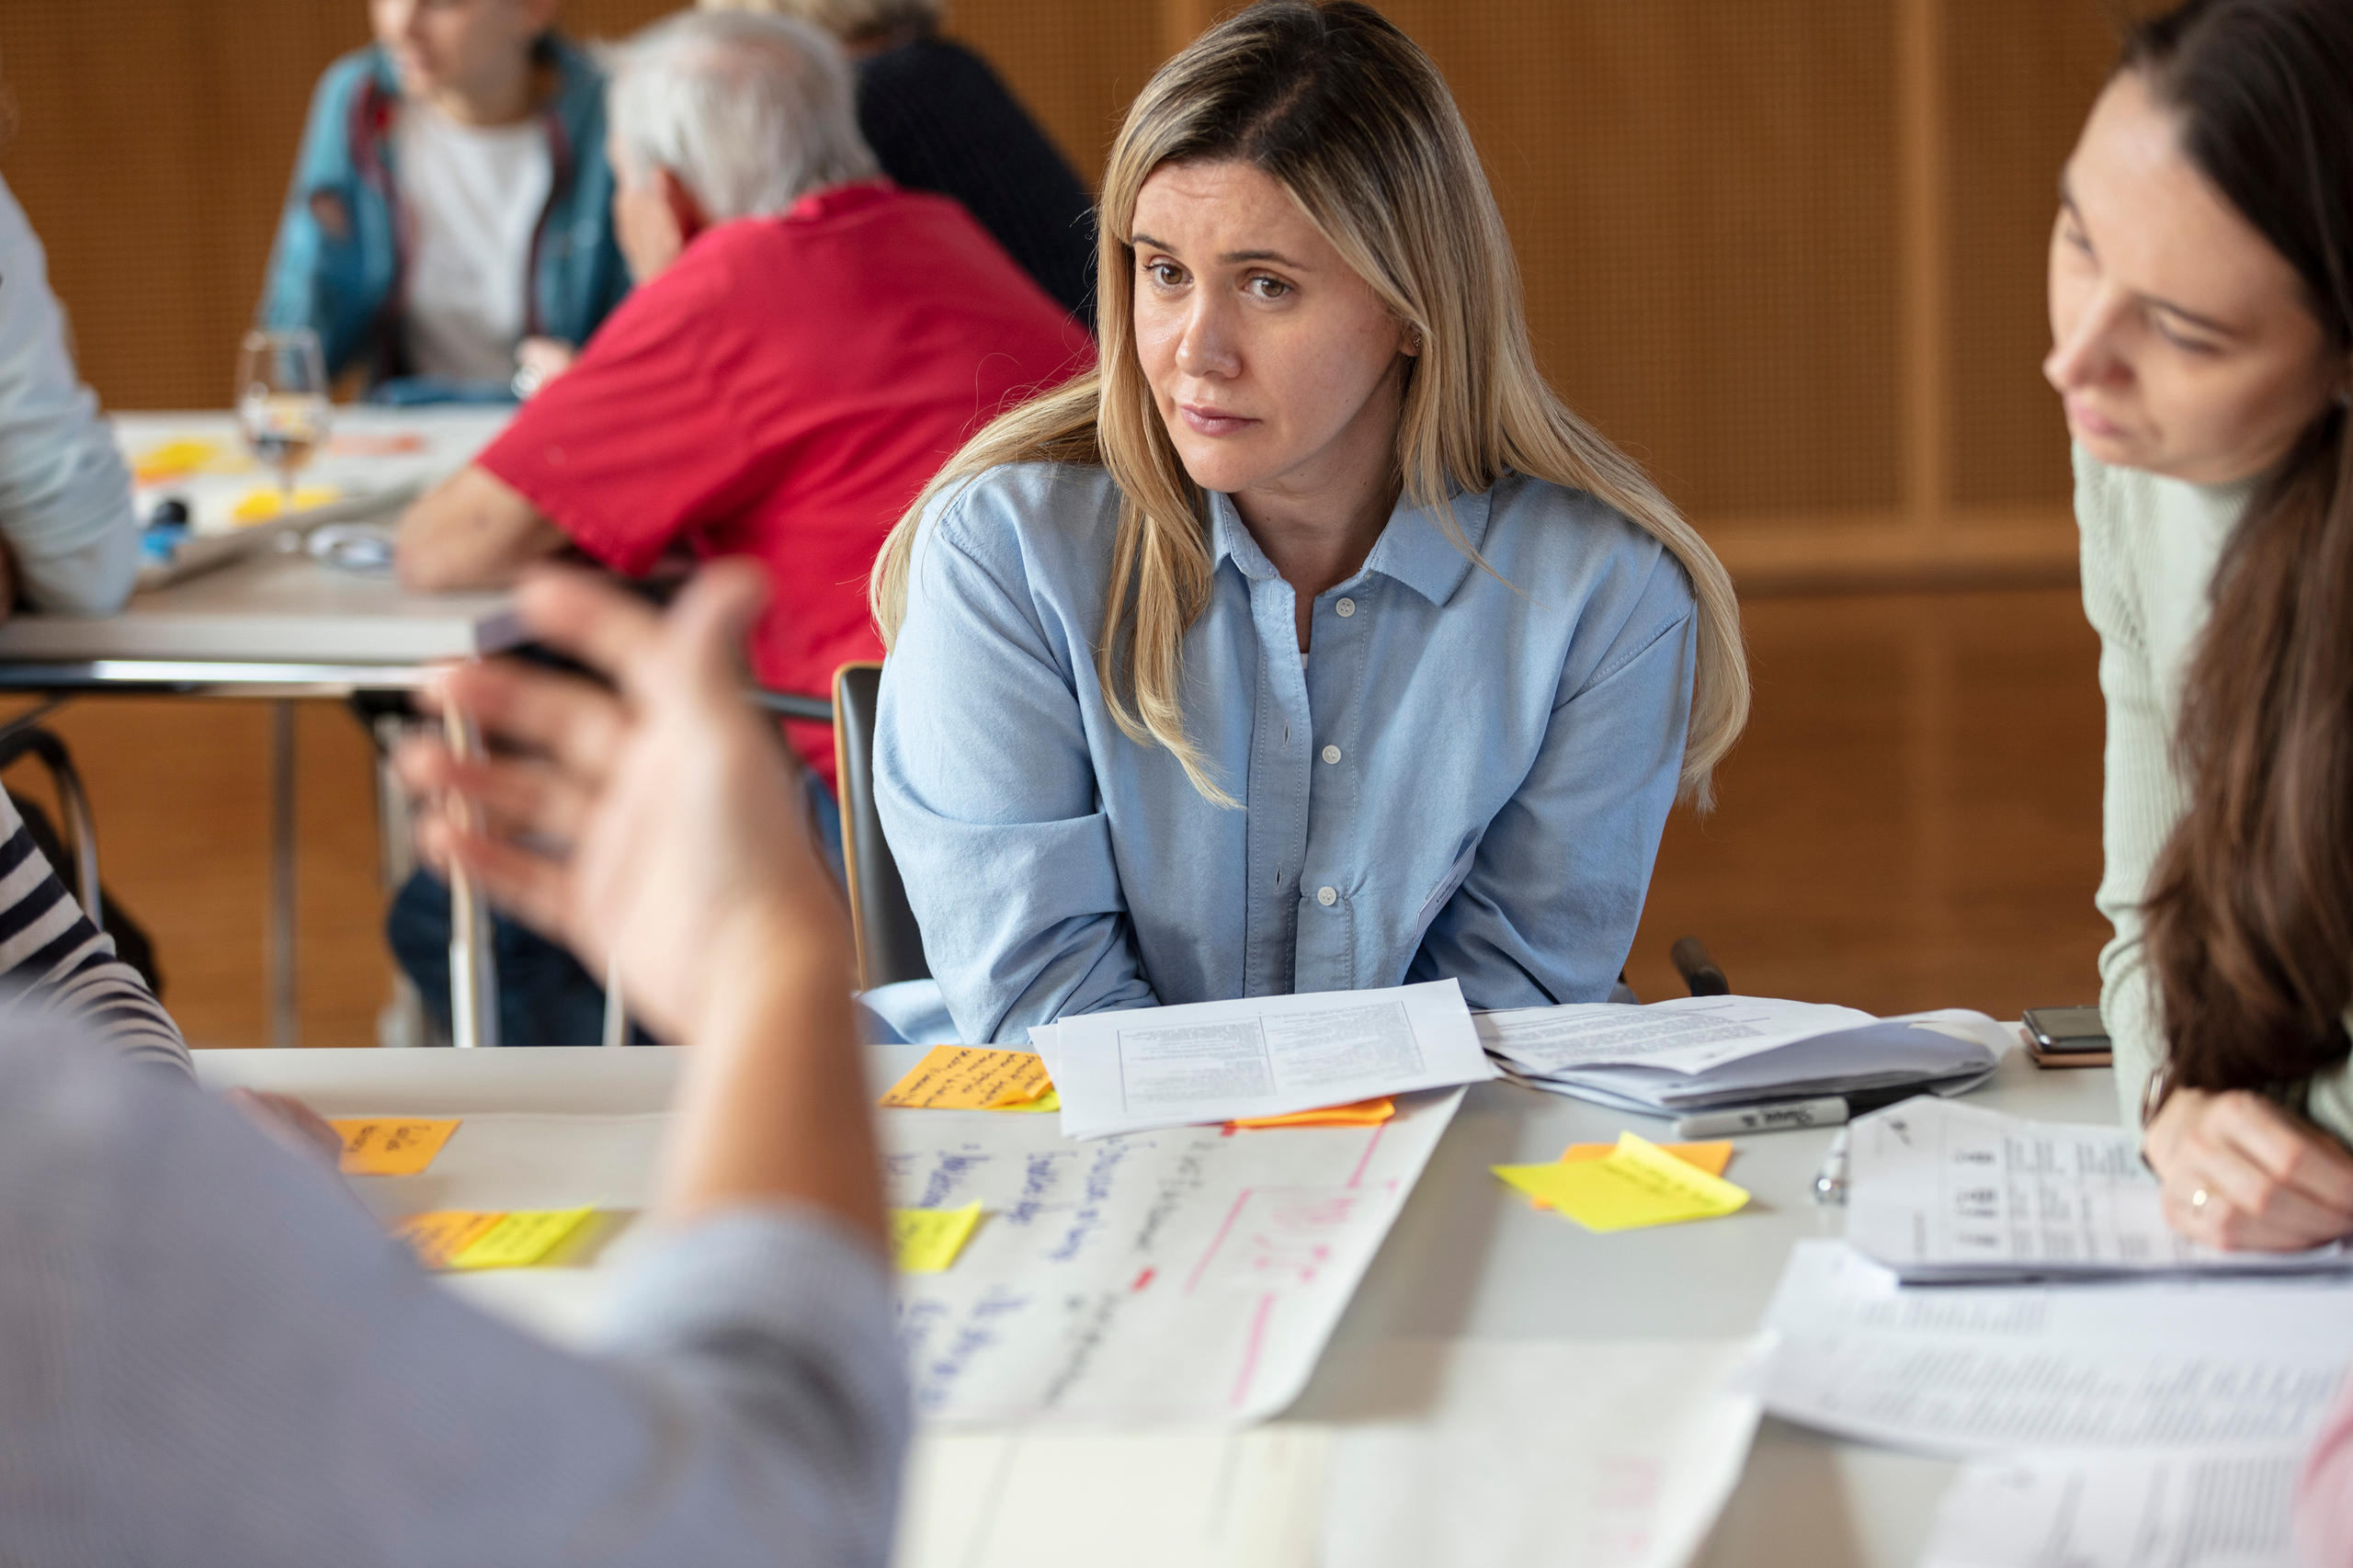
[(2201, 304)]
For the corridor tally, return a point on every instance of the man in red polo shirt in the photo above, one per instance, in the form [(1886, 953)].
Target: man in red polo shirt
[(805, 346)]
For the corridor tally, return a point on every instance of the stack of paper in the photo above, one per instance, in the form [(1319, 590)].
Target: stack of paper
[(1259, 1057), (1701, 1051), (1943, 1192)]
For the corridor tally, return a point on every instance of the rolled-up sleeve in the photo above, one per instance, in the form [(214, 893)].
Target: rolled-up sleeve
[(65, 507), (986, 788)]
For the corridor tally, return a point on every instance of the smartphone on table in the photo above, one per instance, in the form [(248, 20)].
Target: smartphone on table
[(2067, 1037)]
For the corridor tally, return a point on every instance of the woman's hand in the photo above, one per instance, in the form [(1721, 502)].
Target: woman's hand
[(2241, 1173), (661, 827)]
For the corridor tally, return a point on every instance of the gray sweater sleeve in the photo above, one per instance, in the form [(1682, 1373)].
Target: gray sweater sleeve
[(210, 1356), (65, 507)]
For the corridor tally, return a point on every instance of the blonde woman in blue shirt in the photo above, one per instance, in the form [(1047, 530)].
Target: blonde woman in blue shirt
[(1311, 643)]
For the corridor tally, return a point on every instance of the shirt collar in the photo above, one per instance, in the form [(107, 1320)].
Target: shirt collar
[(1412, 549)]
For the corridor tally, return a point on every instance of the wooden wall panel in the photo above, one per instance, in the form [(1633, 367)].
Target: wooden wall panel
[(2020, 75), (151, 150), (1703, 200)]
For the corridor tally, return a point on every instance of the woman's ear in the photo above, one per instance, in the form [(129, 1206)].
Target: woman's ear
[(1412, 345)]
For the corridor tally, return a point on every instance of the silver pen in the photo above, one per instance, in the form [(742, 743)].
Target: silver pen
[(1830, 1181)]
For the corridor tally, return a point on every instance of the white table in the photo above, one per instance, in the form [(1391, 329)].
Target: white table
[(279, 626), (1467, 1258)]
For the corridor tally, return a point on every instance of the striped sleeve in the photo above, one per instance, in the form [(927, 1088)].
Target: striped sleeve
[(53, 960)]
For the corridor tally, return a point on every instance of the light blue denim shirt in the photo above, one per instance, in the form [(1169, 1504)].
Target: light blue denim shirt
[(1466, 776)]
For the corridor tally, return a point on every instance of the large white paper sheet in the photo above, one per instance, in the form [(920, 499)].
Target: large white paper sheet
[(1261, 1056), (1193, 1498), (1595, 1455), (1176, 1275), (1945, 1191), (1471, 1454), (1978, 1372), (2183, 1509)]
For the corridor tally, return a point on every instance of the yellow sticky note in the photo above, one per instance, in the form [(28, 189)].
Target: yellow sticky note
[(1360, 1113), (173, 460), (261, 506), (520, 1239), (970, 1077), (1051, 1100), (437, 1237), (386, 1145), (1710, 1158), (1636, 1184), (926, 1241)]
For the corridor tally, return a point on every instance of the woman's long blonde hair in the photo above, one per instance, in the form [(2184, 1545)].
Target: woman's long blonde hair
[(1334, 103)]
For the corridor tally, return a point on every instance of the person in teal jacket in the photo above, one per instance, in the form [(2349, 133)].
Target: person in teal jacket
[(449, 219)]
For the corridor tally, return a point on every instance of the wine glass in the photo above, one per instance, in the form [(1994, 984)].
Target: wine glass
[(282, 400)]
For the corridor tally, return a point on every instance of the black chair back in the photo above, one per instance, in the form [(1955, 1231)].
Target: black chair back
[(890, 947)]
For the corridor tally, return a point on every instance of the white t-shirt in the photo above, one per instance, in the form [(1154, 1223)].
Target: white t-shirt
[(474, 196)]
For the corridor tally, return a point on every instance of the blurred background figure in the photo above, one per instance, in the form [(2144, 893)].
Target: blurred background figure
[(806, 345), (939, 119), (449, 220), (69, 538)]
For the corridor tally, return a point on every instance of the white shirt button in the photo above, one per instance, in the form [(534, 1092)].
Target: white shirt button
[(1331, 754), (1347, 607), (1327, 897)]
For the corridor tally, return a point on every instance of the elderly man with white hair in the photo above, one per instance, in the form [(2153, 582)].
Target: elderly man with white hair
[(806, 344)]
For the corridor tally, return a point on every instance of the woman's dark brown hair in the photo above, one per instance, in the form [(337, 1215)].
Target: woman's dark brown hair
[(2250, 907)]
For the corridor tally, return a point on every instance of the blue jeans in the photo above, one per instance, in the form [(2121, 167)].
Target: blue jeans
[(545, 996)]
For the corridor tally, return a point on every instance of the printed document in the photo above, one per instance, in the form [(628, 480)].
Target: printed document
[(1939, 1191), (1263, 1056), (1981, 1371), (1689, 1034), (2184, 1508)]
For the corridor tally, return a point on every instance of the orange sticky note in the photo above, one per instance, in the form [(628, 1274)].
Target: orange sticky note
[(1361, 1113), (437, 1237), (970, 1077), (1710, 1158), (387, 1145)]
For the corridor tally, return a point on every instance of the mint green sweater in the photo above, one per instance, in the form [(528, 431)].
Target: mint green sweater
[(2150, 546)]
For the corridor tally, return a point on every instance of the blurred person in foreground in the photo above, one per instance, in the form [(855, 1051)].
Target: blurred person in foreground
[(172, 1275), (69, 535), (939, 119), (447, 229), (806, 345)]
